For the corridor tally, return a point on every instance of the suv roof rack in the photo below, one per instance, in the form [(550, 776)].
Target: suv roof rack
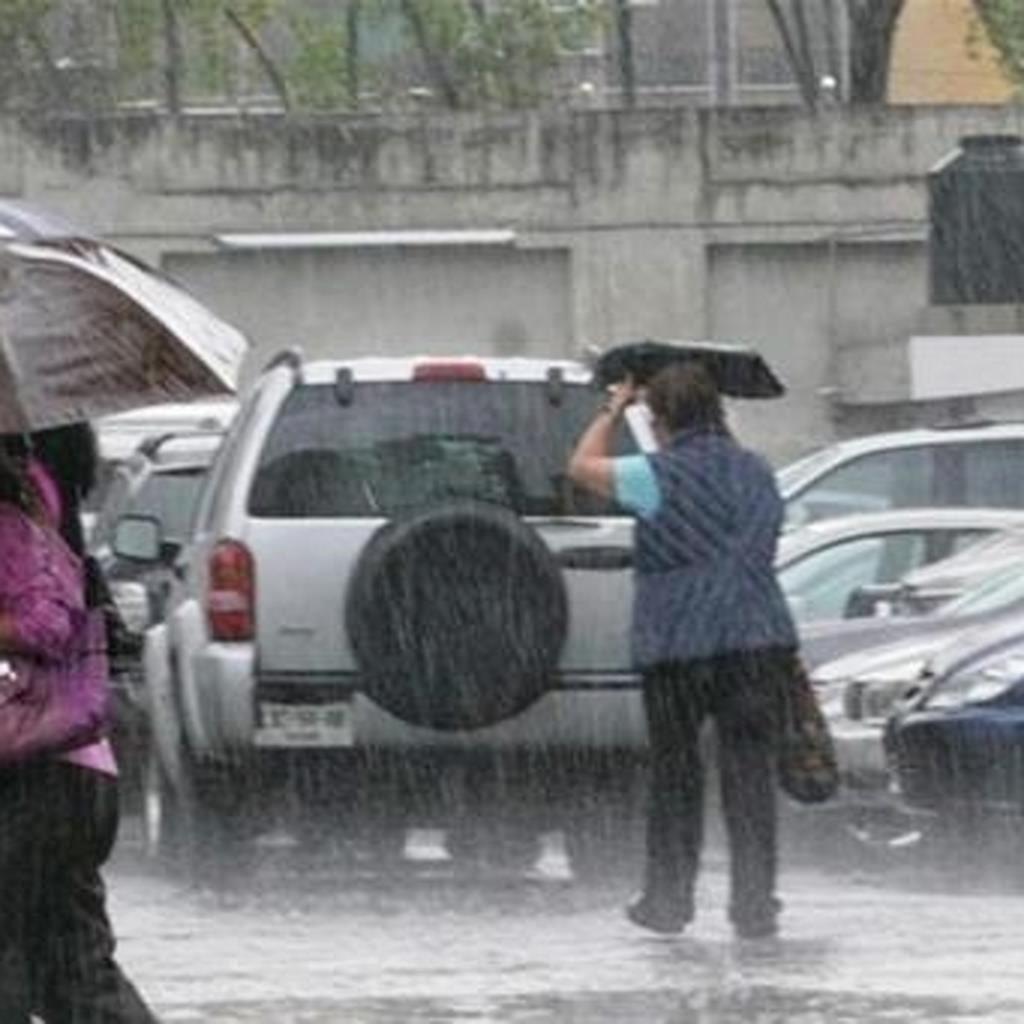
[(555, 378), (150, 446), (290, 357)]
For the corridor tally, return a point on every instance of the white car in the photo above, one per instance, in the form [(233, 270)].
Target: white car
[(394, 596), (824, 567), (973, 465), (118, 438)]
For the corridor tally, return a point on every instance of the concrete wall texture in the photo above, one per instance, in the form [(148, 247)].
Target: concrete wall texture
[(802, 235)]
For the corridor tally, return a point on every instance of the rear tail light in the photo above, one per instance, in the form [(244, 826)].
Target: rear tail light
[(449, 369), (231, 605)]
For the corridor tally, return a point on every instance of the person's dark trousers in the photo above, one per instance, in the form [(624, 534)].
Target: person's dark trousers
[(742, 692), (58, 823)]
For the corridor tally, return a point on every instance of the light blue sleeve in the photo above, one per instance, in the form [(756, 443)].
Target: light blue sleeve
[(636, 486)]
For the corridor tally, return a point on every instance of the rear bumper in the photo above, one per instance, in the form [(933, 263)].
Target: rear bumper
[(593, 711)]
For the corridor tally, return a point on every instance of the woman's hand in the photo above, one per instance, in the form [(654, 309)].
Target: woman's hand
[(591, 465), (621, 395)]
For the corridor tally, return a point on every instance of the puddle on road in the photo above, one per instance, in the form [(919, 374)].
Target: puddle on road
[(321, 939), (752, 1005)]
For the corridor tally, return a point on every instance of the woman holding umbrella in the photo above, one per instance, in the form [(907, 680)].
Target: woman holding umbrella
[(58, 814), (712, 636)]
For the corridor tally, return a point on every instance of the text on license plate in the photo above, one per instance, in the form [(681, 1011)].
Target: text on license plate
[(305, 725)]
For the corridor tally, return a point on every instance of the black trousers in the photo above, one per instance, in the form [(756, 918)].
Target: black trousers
[(742, 692), (58, 823)]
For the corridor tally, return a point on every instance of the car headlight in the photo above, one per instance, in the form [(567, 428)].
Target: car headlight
[(870, 695), (979, 683)]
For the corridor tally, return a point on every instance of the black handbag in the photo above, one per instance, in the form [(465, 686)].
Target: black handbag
[(122, 645), (807, 767)]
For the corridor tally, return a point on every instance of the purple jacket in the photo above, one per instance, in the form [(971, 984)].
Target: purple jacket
[(41, 586), (42, 590)]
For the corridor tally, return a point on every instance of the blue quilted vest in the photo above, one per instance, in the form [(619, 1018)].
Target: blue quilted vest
[(705, 562)]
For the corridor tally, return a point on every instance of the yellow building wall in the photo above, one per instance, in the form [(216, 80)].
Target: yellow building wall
[(937, 59)]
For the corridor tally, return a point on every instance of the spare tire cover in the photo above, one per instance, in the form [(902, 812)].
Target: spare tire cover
[(457, 616)]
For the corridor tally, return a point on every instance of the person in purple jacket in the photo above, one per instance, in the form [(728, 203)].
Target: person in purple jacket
[(58, 814), (712, 636)]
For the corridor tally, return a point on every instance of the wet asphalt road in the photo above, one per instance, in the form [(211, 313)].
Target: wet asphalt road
[(299, 936)]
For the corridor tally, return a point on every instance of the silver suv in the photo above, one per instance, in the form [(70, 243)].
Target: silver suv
[(395, 600)]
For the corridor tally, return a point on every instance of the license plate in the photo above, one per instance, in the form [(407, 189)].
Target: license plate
[(305, 725)]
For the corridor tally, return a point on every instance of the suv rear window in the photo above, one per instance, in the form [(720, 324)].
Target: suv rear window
[(399, 446)]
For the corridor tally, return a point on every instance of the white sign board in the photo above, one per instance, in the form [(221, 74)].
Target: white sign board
[(953, 366)]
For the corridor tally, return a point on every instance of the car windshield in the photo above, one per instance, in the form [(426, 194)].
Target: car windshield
[(1002, 588), (792, 475), (397, 447)]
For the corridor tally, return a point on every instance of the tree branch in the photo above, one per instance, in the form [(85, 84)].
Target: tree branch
[(353, 50), (805, 81), (58, 86), (627, 61), (173, 56), (803, 38), (835, 58), (872, 28), (270, 68), (436, 66)]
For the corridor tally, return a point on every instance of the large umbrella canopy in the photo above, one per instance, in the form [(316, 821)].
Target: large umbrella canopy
[(87, 330), (20, 222), (739, 371)]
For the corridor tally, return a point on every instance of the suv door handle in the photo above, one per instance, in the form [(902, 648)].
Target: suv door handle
[(597, 558)]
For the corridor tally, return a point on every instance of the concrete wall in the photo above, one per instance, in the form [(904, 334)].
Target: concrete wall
[(390, 300), (803, 235)]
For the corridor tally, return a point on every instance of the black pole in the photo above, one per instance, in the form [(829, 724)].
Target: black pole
[(627, 61), (173, 57)]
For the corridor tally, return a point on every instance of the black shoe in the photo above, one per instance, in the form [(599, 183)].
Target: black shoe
[(767, 929), (657, 916), (760, 921)]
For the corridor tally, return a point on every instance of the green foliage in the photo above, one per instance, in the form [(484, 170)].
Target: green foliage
[(138, 36), (319, 73), (317, 54), (20, 16), (214, 42), (502, 52), (1003, 22), (15, 14), (207, 29), (18, 19)]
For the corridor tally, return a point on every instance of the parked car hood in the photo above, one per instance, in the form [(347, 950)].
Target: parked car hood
[(822, 644), (903, 660), (978, 643)]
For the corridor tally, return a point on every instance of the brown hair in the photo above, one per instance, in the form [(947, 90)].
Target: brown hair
[(684, 396), (15, 487)]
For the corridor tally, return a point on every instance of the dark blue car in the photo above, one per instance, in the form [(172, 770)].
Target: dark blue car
[(959, 745)]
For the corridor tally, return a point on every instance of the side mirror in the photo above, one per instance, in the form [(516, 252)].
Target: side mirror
[(138, 538), (872, 599), (170, 550)]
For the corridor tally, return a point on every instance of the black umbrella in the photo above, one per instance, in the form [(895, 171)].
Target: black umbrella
[(739, 371)]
